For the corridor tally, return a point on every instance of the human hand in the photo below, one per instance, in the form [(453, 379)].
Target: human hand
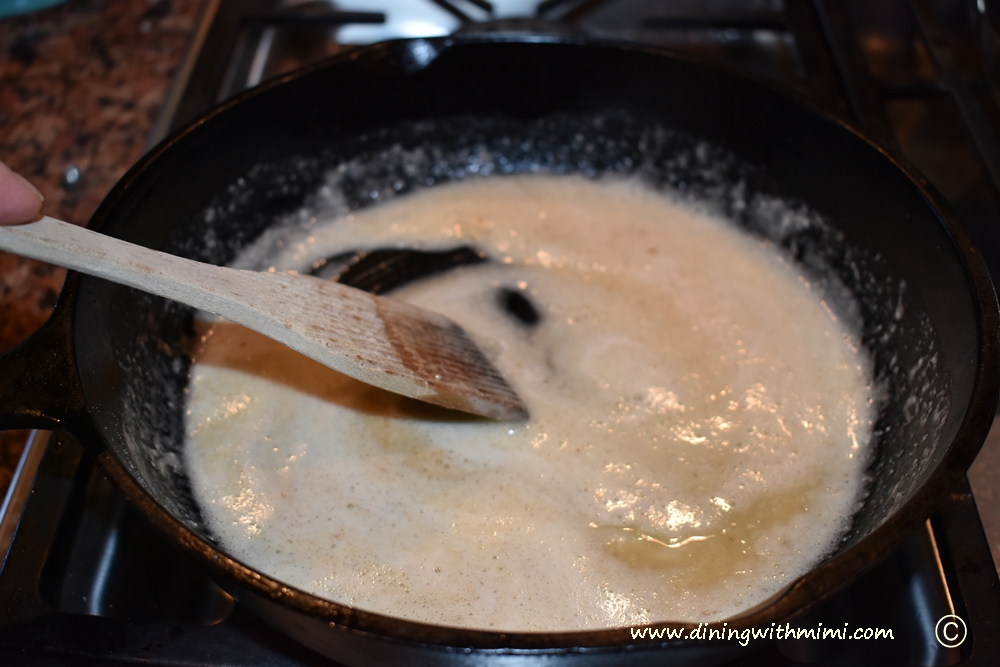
[(20, 201)]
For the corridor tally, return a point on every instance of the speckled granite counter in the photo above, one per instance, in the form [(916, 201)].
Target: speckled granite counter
[(80, 87)]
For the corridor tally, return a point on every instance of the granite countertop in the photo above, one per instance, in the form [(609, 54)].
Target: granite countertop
[(80, 87)]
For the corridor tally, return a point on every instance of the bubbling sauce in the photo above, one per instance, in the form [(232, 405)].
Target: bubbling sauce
[(698, 432)]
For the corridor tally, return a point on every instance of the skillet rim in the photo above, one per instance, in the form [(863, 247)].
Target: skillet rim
[(796, 599)]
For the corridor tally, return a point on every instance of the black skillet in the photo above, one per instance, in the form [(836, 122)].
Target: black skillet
[(110, 366)]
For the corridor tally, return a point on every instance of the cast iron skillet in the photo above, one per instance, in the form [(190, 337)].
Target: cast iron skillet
[(110, 366)]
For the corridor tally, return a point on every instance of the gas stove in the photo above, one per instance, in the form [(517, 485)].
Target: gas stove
[(84, 580)]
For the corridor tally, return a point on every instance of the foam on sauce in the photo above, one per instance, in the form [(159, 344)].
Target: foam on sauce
[(698, 433)]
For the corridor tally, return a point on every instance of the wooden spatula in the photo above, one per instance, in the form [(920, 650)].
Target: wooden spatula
[(379, 340)]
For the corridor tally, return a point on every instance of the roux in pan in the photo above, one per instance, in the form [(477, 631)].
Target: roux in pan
[(699, 430)]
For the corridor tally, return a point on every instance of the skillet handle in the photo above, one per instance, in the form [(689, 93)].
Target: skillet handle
[(39, 382)]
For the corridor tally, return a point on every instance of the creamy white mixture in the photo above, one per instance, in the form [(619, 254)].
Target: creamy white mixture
[(698, 433)]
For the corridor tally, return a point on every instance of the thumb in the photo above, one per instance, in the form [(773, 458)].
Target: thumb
[(20, 201)]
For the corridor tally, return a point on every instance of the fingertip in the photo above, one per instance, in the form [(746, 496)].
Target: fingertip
[(20, 201)]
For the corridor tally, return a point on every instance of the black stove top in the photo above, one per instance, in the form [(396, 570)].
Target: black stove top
[(921, 77), (85, 581)]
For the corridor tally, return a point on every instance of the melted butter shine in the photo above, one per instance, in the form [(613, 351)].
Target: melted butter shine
[(697, 441)]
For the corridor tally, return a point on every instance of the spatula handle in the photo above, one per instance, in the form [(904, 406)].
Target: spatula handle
[(74, 247), (378, 340)]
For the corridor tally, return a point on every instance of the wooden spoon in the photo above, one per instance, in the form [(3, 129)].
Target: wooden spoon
[(379, 340)]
